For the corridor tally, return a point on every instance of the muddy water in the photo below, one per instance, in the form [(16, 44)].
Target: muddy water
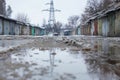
[(54, 64), (103, 59), (62, 63)]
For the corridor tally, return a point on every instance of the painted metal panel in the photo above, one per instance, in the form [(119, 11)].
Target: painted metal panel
[(1, 26), (117, 24), (12, 28), (17, 29), (28, 30), (96, 27), (83, 30), (6, 27), (37, 31), (89, 28), (92, 28), (105, 27), (33, 31), (86, 30), (111, 19), (79, 31), (25, 30), (20, 29), (100, 27), (42, 32)]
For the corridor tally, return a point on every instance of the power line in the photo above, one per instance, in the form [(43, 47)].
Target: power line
[(51, 11)]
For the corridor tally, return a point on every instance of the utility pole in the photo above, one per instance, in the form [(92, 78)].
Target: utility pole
[(51, 11)]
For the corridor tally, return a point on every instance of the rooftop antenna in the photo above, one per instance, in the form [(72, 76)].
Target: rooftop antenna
[(51, 11)]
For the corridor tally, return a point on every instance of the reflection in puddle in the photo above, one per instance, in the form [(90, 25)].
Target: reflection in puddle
[(54, 64), (106, 46), (104, 60)]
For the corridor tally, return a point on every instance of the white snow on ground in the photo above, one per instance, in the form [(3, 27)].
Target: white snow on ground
[(6, 45), (11, 42)]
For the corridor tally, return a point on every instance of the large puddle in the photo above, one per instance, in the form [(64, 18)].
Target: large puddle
[(54, 64), (103, 59), (60, 64)]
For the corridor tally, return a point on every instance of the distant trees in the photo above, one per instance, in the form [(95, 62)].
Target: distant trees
[(72, 20), (57, 27), (8, 11), (68, 27), (44, 23), (97, 5), (3, 11), (22, 17), (2, 7)]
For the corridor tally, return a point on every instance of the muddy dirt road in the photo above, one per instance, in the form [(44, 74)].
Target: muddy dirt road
[(62, 58)]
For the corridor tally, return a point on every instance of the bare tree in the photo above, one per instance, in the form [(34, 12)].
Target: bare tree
[(57, 27), (97, 5), (22, 17), (3, 11), (44, 23), (106, 3), (2, 7), (9, 11), (84, 17), (73, 20), (94, 6), (68, 27)]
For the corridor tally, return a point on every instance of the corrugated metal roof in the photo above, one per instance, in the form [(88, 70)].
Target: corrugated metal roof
[(16, 21), (113, 7)]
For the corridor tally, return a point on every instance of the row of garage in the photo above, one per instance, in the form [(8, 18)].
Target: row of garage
[(10, 26), (103, 23)]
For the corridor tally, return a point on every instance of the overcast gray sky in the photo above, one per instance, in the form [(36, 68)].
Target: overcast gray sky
[(33, 8)]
